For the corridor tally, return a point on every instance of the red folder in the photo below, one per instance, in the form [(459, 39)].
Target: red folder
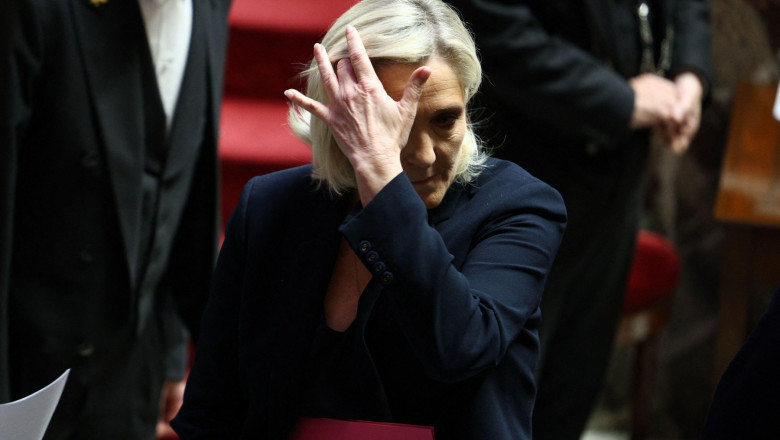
[(332, 429)]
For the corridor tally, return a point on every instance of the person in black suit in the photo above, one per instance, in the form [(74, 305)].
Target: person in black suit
[(575, 90), (396, 279), (108, 202), (747, 399)]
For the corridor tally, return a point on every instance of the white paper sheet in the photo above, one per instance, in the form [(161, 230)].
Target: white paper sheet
[(27, 418), (776, 111)]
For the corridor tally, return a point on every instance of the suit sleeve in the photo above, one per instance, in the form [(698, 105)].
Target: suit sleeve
[(460, 320), (546, 78), (692, 39), (21, 55)]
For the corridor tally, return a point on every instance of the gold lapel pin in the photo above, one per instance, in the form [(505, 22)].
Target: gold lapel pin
[(98, 2)]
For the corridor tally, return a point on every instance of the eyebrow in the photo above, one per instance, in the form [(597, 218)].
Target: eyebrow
[(454, 108)]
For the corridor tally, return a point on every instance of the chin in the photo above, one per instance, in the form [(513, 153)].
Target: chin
[(432, 200)]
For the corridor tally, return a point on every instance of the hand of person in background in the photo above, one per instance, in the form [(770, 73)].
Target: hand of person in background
[(171, 399), (672, 109), (655, 100), (370, 127), (687, 112)]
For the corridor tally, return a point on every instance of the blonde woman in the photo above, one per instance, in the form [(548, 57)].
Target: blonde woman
[(398, 277)]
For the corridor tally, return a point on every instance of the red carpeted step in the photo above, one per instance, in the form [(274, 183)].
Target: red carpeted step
[(254, 139), (306, 16), (271, 42)]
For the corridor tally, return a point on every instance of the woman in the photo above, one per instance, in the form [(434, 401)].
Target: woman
[(396, 279)]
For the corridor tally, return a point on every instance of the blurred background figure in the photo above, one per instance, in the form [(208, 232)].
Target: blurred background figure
[(575, 91), (681, 199), (108, 202), (745, 404)]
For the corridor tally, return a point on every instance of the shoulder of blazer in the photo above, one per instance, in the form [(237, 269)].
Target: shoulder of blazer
[(506, 180), (284, 197), (291, 182)]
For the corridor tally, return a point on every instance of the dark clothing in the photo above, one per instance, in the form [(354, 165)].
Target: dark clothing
[(107, 226), (747, 400), (557, 102), (452, 308)]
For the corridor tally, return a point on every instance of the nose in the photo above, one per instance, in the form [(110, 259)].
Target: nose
[(419, 151)]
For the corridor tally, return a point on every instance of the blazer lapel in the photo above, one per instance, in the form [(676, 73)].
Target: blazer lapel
[(109, 39)]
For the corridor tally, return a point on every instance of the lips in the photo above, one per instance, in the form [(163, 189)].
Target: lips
[(423, 181)]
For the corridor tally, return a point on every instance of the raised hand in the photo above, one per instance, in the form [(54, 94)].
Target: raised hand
[(369, 126)]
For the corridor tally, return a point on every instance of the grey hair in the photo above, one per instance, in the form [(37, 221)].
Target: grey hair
[(393, 31)]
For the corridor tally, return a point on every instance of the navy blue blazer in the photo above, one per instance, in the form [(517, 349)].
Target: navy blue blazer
[(463, 283)]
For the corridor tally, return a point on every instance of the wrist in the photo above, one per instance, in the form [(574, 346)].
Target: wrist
[(371, 178), (691, 83)]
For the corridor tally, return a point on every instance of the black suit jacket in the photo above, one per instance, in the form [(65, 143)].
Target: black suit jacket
[(462, 282), (574, 92), (556, 99), (71, 153), (747, 400)]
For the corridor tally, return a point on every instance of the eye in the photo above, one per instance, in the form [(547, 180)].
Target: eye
[(447, 119)]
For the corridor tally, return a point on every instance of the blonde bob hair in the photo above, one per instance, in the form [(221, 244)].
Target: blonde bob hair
[(393, 31)]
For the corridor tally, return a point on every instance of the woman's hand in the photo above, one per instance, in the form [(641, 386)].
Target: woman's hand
[(369, 126)]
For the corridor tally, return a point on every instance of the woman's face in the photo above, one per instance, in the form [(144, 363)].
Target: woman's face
[(430, 156)]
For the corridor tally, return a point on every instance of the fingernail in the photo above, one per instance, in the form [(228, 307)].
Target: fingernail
[(288, 93)]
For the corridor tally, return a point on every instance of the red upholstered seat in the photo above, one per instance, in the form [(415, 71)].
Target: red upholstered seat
[(654, 272)]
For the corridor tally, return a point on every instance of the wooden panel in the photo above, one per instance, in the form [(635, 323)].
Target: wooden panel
[(749, 203), (749, 189)]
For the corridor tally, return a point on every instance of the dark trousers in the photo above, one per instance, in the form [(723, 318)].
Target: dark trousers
[(582, 302)]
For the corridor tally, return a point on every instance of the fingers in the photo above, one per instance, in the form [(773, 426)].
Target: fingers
[(329, 79), (346, 71), (679, 145), (314, 107), (358, 56), (414, 88)]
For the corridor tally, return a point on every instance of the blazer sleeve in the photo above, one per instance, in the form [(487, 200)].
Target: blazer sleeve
[(21, 55), (544, 77), (461, 320)]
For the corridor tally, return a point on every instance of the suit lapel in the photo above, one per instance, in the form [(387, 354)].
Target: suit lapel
[(109, 39), (216, 42), (189, 123), (187, 130)]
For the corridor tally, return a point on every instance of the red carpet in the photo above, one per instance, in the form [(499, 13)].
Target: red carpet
[(270, 41)]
